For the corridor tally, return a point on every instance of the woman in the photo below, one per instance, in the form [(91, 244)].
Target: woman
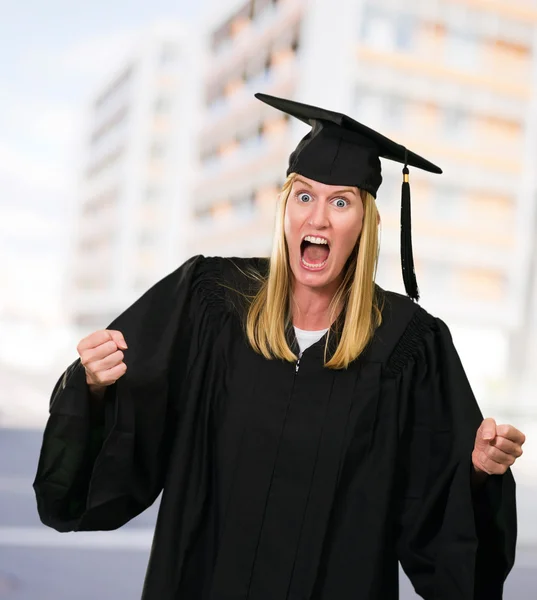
[(307, 427)]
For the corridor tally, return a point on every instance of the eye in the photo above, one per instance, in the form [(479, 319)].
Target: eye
[(341, 202), (303, 197)]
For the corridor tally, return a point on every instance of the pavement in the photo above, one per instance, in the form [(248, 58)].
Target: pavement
[(37, 563)]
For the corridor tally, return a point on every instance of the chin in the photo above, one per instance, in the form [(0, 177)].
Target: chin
[(312, 278)]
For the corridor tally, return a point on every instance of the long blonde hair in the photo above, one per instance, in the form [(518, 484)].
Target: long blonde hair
[(269, 311)]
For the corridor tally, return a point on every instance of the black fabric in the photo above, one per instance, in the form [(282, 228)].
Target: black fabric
[(407, 255), (278, 484), (341, 151)]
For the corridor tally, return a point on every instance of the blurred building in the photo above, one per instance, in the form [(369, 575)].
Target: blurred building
[(131, 222), (176, 137), (454, 80), (521, 387), (243, 144)]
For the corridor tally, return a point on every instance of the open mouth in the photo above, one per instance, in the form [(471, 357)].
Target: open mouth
[(314, 252)]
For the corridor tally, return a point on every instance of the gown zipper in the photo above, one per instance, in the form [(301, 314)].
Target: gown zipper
[(297, 365)]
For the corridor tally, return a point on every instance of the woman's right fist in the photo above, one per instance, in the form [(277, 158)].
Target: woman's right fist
[(102, 357)]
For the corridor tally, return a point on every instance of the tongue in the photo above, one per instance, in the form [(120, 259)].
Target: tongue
[(315, 254)]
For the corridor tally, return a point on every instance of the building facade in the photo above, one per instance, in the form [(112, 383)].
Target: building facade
[(132, 210), (454, 80)]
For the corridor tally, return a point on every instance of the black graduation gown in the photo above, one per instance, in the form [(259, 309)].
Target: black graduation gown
[(281, 483)]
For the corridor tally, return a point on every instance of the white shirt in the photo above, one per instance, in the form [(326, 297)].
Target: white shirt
[(308, 338)]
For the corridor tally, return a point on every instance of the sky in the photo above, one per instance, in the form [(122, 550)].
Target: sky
[(55, 55)]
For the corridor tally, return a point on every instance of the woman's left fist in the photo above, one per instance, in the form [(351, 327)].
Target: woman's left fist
[(496, 447)]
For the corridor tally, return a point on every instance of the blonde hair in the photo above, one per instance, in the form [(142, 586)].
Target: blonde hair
[(269, 311)]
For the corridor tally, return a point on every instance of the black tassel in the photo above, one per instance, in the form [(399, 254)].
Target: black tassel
[(407, 258)]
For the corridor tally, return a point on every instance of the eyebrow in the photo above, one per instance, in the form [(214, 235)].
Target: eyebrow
[(343, 191)]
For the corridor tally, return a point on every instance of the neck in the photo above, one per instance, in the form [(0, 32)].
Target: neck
[(311, 306)]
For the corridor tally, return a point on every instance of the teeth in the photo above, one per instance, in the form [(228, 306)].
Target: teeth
[(310, 266), (315, 240)]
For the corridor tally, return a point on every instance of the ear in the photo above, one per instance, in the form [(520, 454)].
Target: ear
[(378, 217)]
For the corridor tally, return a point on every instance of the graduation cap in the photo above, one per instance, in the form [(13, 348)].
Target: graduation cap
[(340, 151)]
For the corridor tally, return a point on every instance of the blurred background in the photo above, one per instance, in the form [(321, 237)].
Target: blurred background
[(130, 139)]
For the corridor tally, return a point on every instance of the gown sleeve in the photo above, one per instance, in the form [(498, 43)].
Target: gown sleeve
[(452, 541), (99, 477)]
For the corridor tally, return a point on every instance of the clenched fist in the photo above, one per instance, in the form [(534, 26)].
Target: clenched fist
[(102, 357), (496, 447)]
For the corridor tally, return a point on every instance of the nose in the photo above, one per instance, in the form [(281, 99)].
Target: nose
[(319, 215)]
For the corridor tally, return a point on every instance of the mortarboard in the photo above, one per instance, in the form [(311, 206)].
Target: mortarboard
[(340, 151)]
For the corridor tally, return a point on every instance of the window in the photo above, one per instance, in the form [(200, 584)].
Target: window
[(462, 50), (378, 29), (114, 87), (394, 110), (369, 107), (295, 44), (404, 32), (99, 203), (388, 30), (162, 105), (257, 65), (168, 53), (147, 237), (251, 136), (447, 204), (456, 123), (244, 205), (213, 93), (107, 161), (157, 150), (152, 194), (205, 215), (258, 7), (221, 37), (110, 124), (268, 63), (435, 276)]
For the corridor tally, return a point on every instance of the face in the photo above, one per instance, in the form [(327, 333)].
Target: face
[(322, 225)]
